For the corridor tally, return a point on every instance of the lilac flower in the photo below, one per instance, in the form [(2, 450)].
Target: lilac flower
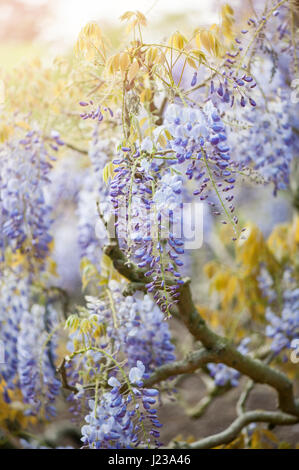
[(136, 373), (135, 332), (167, 197), (266, 143), (117, 421), (143, 220), (24, 215), (36, 366), (200, 142)]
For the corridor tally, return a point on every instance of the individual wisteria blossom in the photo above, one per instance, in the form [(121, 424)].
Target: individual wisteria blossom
[(283, 328), (36, 355), (25, 216), (224, 375), (119, 421), (264, 137), (136, 373), (235, 83)]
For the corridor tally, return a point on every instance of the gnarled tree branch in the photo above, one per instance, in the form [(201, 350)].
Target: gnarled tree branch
[(229, 434), (192, 362), (220, 348)]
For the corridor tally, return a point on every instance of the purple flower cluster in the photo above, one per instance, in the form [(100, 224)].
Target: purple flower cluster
[(118, 420), (200, 140), (235, 82), (135, 325), (25, 216), (29, 340), (147, 200), (133, 332), (147, 194), (36, 361), (266, 144)]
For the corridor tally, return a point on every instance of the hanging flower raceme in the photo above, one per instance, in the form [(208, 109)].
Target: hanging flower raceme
[(14, 302), (234, 84), (36, 355), (134, 324), (123, 420), (25, 216), (143, 334), (116, 332), (266, 143), (200, 143), (282, 314)]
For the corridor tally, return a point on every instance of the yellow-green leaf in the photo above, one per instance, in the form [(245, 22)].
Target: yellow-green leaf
[(133, 70)]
